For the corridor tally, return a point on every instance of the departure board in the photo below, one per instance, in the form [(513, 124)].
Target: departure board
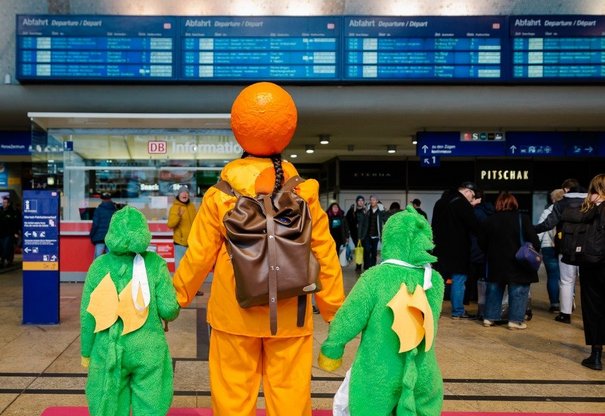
[(101, 48), (260, 48), (423, 48), (558, 47)]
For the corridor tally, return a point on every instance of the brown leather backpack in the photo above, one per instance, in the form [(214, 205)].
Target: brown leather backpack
[(269, 242)]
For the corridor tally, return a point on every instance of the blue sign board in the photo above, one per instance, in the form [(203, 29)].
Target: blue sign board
[(430, 161), (41, 257), (15, 143), (557, 47), (387, 48), (76, 47), (516, 144), (252, 48), (450, 144)]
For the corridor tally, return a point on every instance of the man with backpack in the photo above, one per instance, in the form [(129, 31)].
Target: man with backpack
[(573, 198)]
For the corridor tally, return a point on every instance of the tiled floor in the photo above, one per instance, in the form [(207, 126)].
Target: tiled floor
[(484, 369)]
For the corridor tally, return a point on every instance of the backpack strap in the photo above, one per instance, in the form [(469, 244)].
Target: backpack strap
[(224, 186), (291, 183), (273, 266)]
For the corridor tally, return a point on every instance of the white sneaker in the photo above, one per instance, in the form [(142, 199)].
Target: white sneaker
[(517, 325), (487, 322)]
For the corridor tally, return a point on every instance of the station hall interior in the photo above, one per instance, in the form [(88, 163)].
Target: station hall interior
[(141, 140)]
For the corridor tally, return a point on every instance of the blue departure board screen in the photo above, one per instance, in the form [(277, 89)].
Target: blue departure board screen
[(557, 47), (260, 48), (423, 48), (101, 48)]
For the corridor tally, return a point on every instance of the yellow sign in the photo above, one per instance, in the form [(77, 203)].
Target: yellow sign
[(40, 265)]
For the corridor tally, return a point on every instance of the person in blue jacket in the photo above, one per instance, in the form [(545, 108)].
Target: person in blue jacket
[(100, 223)]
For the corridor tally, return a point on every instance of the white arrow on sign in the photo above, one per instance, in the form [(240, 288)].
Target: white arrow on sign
[(27, 249), (425, 148), (27, 233), (512, 149)]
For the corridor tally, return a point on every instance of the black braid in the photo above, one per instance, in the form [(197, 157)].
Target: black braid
[(279, 172)]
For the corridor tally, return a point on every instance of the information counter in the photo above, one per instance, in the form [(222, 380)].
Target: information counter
[(77, 252)]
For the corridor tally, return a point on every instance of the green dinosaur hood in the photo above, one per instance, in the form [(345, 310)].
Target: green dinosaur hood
[(128, 232), (407, 236)]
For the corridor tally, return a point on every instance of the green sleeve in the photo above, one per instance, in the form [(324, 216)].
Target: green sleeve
[(168, 307), (350, 319)]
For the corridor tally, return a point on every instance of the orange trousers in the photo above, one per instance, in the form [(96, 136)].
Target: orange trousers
[(238, 363)]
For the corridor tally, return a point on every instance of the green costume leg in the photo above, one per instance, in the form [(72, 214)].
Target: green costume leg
[(373, 393), (429, 386), (152, 388)]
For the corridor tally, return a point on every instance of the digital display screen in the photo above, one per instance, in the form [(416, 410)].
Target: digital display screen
[(96, 47), (260, 48), (423, 48), (558, 47)]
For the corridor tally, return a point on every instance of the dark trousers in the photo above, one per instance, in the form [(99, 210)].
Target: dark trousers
[(592, 292), (7, 248), (370, 252)]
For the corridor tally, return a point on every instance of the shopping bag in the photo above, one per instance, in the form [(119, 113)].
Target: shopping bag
[(342, 257), (340, 406), (359, 253)]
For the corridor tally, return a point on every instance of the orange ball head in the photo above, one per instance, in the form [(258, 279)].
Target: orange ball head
[(263, 119)]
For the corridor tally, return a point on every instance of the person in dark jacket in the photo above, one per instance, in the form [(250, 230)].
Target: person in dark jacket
[(500, 239), (573, 198), (372, 232), (356, 220), (453, 223), (100, 223), (339, 229), (416, 204), (10, 224)]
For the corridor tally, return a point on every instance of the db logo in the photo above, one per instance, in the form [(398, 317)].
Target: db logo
[(156, 147)]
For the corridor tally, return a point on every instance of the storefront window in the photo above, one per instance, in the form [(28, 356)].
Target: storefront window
[(143, 169)]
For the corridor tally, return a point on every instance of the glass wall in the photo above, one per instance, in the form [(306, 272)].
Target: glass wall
[(140, 168)]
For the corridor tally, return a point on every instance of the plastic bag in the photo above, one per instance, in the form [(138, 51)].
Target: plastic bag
[(342, 257), (359, 253), (340, 406)]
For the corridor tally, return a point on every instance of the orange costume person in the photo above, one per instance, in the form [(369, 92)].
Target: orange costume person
[(242, 349)]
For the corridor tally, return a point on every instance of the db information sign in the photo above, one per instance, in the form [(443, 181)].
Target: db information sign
[(157, 147)]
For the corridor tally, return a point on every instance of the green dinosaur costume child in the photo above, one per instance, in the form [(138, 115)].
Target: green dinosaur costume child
[(396, 306), (127, 293)]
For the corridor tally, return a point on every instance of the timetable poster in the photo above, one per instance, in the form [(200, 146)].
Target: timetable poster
[(558, 47), (429, 48), (260, 48), (99, 48)]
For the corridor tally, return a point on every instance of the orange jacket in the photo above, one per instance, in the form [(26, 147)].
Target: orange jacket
[(207, 250)]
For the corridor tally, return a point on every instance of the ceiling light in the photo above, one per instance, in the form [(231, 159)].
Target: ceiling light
[(414, 140), (309, 148), (293, 156), (324, 139), (391, 148)]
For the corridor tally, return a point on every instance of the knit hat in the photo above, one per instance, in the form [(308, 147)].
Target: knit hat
[(359, 197), (105, 195), (182, 188)]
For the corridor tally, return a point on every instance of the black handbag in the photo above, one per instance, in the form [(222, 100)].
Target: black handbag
[(527, 254)]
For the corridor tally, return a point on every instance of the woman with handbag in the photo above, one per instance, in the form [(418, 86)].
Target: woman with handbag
[(501, 238), (338, 226)]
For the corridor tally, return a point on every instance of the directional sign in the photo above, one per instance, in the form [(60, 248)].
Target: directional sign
[(449, 144), (41, 257), (534, 144), (430, 161)]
